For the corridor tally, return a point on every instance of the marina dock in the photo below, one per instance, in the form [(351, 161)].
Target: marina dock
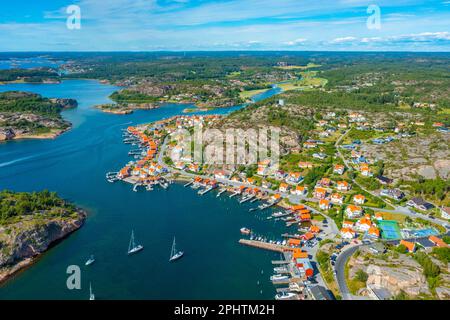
[(264, 245)]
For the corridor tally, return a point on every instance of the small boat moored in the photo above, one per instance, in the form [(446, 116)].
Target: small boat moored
[(90, 261)]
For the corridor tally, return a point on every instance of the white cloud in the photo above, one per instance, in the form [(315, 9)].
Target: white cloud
[(343, 40)]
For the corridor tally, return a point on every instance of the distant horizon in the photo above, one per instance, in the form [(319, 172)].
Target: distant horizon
[(230, 51), (230, 25)]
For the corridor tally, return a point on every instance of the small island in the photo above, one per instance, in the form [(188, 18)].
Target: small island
[(28, 115), (29, 224)]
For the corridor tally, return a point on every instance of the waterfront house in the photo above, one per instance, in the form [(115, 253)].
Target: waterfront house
[(419, 204), (314, 229), (299, 191), (305, 217), (320, 193), (410, 246), (276, 197), (307, 236), (353, 211), (343, 186), (180, 165), (124, 173), (445, 212), (283, 187), (305, 267), (250, 180), (339, 169), (297, 253), (220, 174), (305, 165), (235, 179), (359, 199), (193, 167), (347, 233), (337, 198), (324, 204)]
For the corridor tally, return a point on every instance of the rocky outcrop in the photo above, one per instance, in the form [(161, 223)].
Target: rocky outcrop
[(6, 134), (65, 103), (21, 242), (411, 281)]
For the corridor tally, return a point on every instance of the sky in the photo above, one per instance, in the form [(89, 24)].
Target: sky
[(204, 25)]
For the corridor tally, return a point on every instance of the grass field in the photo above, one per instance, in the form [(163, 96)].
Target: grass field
[(308, 66), (250, 93)]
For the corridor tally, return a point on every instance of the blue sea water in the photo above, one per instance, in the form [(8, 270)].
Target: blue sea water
[(74, 165)]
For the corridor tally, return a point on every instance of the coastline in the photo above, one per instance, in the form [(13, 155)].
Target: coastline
[(66, 229), (43, 136)]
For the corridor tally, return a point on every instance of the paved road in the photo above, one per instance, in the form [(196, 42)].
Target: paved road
[(340, 271)]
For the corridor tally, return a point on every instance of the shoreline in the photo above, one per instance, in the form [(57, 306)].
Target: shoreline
[(9, 272), (44, 136)]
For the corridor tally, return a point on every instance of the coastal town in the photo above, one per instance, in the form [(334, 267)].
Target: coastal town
[(332, 215)]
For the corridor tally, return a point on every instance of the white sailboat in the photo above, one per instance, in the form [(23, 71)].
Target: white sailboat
[(132, 247), (174, 255), (91, 294)]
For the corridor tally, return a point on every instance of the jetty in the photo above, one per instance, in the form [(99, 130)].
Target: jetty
[(189, 183), (265, 245)]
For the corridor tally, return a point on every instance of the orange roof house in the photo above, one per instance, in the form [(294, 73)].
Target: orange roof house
[(305, 217), (359, 199), (308, 236), (314, 229), (299, 254), (438, 242), (320, 193), (324, 204), (374, 231), (411, 246), (342, 185), (298, 207), (294, 242)]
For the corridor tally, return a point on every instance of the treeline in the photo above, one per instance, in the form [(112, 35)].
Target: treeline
[(14, 204), (28, 75), (17, 101), (128, 96), (431, 188)]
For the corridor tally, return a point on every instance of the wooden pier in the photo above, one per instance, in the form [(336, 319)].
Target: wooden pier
[(264, 245)]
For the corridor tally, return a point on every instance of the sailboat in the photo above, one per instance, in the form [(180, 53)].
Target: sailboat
[(132, 247), (174, 255), (90, 261), (91, 294)]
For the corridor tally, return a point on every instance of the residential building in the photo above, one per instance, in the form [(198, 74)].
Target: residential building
[(337, 198), (419, 204), (324, 204), (359, 199), (353, 211), (339, 169)]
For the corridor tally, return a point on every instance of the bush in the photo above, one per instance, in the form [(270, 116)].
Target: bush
[(361, 276), (442, 254)]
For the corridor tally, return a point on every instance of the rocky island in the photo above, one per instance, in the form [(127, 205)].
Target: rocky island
[(29, 224), (29, 115)]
